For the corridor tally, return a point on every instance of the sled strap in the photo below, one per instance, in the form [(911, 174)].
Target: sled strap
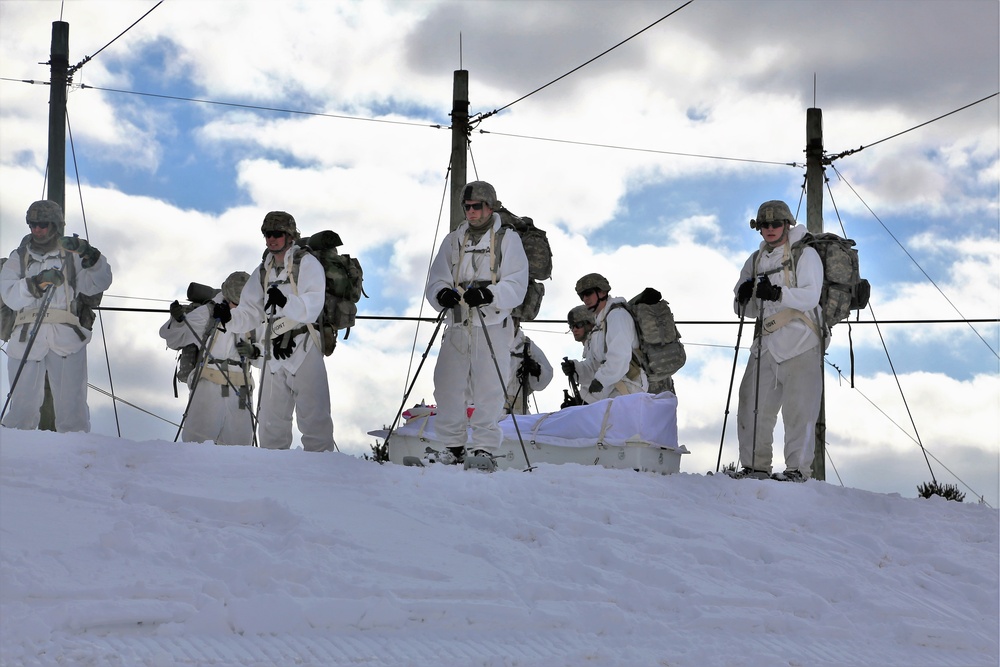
[(604, 425)]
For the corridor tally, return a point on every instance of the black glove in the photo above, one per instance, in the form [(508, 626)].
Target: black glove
[(530, 367), (568, 367), (745, 291), (88, 253), (275, 298), (448, 298), (595, 387), (247, 349), (220, 311), (284, 345), (177, 311), (478, 296), (766, 291), (38, 283)]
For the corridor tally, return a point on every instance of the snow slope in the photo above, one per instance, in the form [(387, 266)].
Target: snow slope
[(119, 553)]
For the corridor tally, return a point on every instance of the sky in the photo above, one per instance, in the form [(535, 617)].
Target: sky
[(161, 555), (644, 165)]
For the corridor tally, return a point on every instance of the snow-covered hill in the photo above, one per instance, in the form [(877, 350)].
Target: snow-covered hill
[(119, 553)]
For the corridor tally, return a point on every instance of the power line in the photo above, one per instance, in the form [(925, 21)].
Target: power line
[(607, 51), (72, 70), (830, 158), (640, 150), (259, 108), (913, 259)]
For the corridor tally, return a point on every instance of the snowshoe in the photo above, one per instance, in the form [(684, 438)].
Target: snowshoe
[(413, 461), (448, 456), (480, 459), (788, 476), (748, 473)]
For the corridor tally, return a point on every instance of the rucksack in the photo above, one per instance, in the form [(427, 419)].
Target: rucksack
[(84, 306), (661, 353), (844, 289), (539, 254), (344, 284)]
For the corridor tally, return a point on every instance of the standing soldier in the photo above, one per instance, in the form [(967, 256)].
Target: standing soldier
[(220, 405), (48, 280), (785, 371), (287, 291), (479, 276)]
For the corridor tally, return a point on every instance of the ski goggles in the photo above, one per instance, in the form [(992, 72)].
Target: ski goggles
[(40, 225)]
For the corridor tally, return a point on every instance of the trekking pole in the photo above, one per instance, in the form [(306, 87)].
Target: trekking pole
[(267, 353), (406, 394), (205, 346), (759, 334), (732, 377), (503, 386), (35, 326), (247, 398)]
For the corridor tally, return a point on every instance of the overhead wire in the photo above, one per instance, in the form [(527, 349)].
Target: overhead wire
[(480, 117), (86, 232), (72, 70), (913, 259), (828, 159)]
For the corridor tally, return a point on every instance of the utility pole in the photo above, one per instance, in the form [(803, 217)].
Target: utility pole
[(814, 224), (459, 144), (58, 67)]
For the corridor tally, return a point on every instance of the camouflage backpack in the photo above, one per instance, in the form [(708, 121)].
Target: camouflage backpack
[(661, 353), (344, 284), (844, 289), (539, 254)]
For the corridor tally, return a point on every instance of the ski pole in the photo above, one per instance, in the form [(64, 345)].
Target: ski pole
[(406, 394), (732, 377), (205, 346), (36, 325), (503, 386), (758, 329), (247, 398), (267, 353)]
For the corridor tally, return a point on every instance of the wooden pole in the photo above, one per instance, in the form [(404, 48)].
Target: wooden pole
[(814, 224), (58, 68), (59, 65), (459, 144)]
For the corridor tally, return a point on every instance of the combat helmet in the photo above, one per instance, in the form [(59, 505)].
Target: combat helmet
[(592, 281), (480, 191), (580, 315), (233, 286), (773, 210), (46, 210), (281, 222)]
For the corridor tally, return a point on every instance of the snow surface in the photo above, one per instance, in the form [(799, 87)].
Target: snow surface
[(118, 553)]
